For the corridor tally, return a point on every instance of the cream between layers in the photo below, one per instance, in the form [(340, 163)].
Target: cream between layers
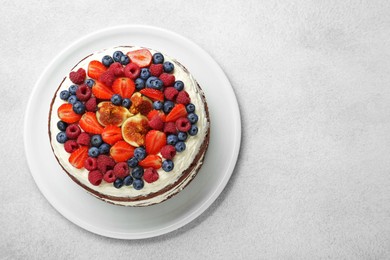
[(181, 161)]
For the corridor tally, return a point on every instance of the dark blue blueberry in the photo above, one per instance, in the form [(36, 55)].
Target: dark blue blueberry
[(138, 184), (172, 139), (90, 82), (149, 81), (190, 108), (168, 67), (96, 140), (64, 95), (93, 152), (193, 130), (182, 136), (139, 153), (78, 107), (167, 165), (158, 105), (72, 89), (117, 56), (144, 74), (193, 118), (128, 180), (137, 172), (116, 99), (179, 85), (72, 99), (124, 60), (61, 125), (132, 162), (157, 84), (104, 148), (139, 84), (168, 105), (126, 103), (180, 146), (118, 183), (158, 58), (61, 137), (107, 60)]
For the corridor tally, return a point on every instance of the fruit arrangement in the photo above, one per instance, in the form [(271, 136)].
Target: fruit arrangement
[(125, 118)]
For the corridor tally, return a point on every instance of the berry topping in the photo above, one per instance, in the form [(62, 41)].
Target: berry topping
[(168, 67), (125, 87), (172, 139), (73, 131), (104, 148), (95, 177), (170, 128), (107, 78), (105, 163), (151, 160), (66, 114), (117, 69), (61, 125), (170, 93), (156, 123), (118, 183), (124, 60), (116, 99), (154, 82), (89, 123), (168, 152), (107, 60), (144, 74), (101, 91), (193, 118), (109, 176), (90, 164), (154, 94), (93, 152), (61, 137), (90, 82), (137, 172), (182, 136), (150, 175), (158, 58), (126, 102), (96, 140), (156, 69), (72, 89), (95, 69), (121, 170), (154, 141), (72, 99), (128, 180), (121, 151), (183, 124), (83, 139), (112, 134), (91, 104), (139, 153), (78, 107), (138, 184), (190, 108), (77, 77), (83, 93), (178, 111), (180, 146), (132, 70), (167, 79), (132, 162), (117, 55), (193, 130), (158, 105), (167, 165), (139, 83), (141, 57), (183, 98), (168, 105), (64, 95), (153, 113), (179, 85), (78, 157)]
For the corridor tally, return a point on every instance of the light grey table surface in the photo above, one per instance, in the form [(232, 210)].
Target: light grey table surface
[(312, 79)]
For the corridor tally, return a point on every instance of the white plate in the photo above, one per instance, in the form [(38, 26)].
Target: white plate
[(127, 222)]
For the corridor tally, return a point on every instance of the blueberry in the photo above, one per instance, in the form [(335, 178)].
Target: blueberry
[(96, 140), (118, 183), (137, 172), (124, 60), (117, 56), (116, 99), (158, 58), (167, 165), (149, 81), (138, 184), (168, 67), (132, 162), (190, 108), (93, 152), (72, 89), (126, 103), (193, 130), (104, 148), (107, 60), (180, 146), (61, 137), (144, 74), (182, 136), (72, 99), (158, 105), (139, 84), (139, 153), (157, 84), (193, 118), (172, 139), (90, 82), (168, 105), (128, 180), (179, 85), (78, 107), (61, 125), (64, 95)]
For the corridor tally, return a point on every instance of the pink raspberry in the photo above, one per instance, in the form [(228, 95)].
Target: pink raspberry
[(117, 69), (107, 78), (71, 146), (167, 79), (78, 77), (183, 124), (170, 93), (183, 98), (90, 164), (156, 123), (168, 151), (121, 170), (105, 163), (150, 175), (91, 104), (73, 131), (156, 69), (95, 177), (170, 128), (132, 71), (83, 139), (83, 93), (109, 176)]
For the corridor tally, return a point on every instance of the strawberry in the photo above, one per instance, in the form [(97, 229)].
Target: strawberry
[(154, 141), (179, 110), (89, 123), (124, 87), (95, 69), (78, 157), (141, 57), (101, 91), (154, 112), (65, 113), (121, 151), (154, 94), (151, 160), (112, 134)]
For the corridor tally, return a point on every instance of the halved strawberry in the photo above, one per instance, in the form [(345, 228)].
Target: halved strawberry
[(112, 134), (95, 69), (101, 91), (179, 110), (65, 113), (121, 151), (151, 160), (78, 157), (89, 123), (154, 94), (154, 141), (141, 57), (154, 112), (124, 87)]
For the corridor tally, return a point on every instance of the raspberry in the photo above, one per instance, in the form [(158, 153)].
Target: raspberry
[(117, 69), (183, 98), (83, 139), (156, 123), (170, 128), (183, 124), (71, 146), (91, 105), (132, 71), (95, 177), (77, 77), (121, 170), (168, 151), (150, 175), (167, 79), (170, 93), (109, 176), (83, 93), (90, 164), (107, 78), (156, 69), (73, 131), (105, 163)]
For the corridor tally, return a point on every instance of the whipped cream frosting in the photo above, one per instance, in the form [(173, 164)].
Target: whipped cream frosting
[(181, 161)]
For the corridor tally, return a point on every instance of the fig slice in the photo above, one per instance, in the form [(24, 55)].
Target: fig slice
[(134, 130), (140, 104), (110, 114)]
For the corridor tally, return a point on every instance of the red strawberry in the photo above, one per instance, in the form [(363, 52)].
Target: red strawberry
[(101, 91), (154, 94), (179, 110), (95, 69), (107, 78), (154, 112), (170, 93), (112, 134), (150, 175), (121, 170), (65, 113), (83, 92), (77, 77), (109, 176), (121, 151), (167, 79), (151, 160), (141, 57), (124, 87), (132, 70), (183, 98), (154, 141), (156, 123), (78, 157), (89, 123), (71, 146), (156, 69), (117, 69), (95, 177)]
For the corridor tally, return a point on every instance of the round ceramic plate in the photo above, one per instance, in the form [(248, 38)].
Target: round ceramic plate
[(135, 222)]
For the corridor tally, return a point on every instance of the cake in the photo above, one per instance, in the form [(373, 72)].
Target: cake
[(129, 125)]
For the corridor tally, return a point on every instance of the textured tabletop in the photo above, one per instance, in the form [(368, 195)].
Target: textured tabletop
[(312, 80)]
